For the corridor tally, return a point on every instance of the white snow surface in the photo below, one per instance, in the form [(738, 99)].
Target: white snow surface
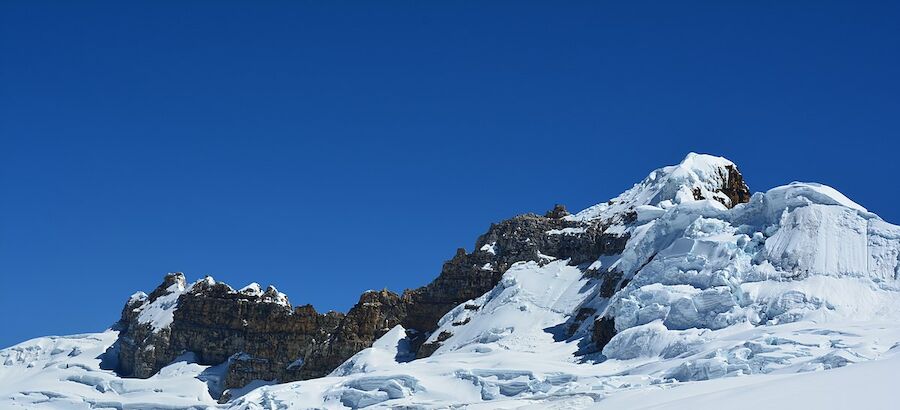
[(789, 301), (63, 372), (567, 231)]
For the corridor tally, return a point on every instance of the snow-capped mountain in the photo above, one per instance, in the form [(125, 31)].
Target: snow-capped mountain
[(685, 291)]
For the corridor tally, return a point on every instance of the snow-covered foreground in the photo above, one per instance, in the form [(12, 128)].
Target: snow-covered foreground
[(64, 373), (789, 301), (507, 379), (864, 385)]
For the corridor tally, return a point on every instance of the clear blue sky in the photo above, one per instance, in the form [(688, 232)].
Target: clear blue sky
[(334, 147)]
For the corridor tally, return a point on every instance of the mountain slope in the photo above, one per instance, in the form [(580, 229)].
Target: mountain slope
[(683, 278)]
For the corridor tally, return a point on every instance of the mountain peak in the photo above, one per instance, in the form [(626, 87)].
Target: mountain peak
[(708, 177), (697, 177), (545, 308), (701, 161)]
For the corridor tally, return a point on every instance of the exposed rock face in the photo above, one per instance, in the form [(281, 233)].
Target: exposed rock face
[(135, 358), (527, 237), (262, 337), (558, 211), (732, 186), (373, 316), (603, 332)]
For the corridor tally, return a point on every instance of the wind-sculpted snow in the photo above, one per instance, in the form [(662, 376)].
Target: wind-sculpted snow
[(714, 291)]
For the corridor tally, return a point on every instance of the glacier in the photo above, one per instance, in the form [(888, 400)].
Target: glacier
[(789, 298)]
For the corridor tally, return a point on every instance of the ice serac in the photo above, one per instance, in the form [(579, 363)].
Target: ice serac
[(798, 251)]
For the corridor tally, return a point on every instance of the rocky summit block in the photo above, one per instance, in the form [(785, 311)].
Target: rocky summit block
[(219, 324)]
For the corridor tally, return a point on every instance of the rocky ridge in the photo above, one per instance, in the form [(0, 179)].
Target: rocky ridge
[(259, 335)]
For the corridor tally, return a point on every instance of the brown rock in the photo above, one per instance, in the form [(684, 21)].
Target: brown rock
[(558, 211)]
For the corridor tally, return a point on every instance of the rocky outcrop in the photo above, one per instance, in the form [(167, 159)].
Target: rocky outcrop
[(603, 331), (138, 355), (731, 186), (258, 333), (373, 316), (263, 336), (558, 211), (526, 237), (734, 186)]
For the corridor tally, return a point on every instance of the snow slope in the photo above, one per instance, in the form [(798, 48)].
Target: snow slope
[(866, 385), (790, 300), (64, 372)]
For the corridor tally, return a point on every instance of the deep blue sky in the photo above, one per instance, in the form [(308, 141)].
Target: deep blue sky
[(335, 147)]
